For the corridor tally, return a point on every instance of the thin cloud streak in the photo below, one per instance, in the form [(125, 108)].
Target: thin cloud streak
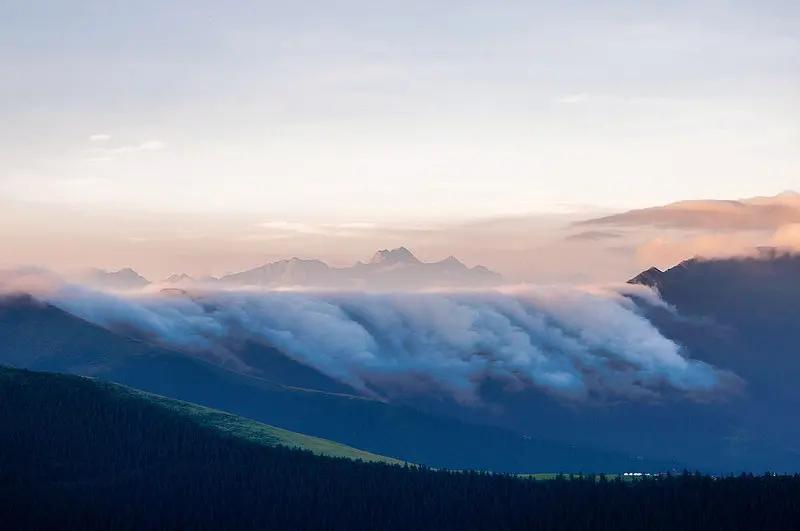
[(149, 145)]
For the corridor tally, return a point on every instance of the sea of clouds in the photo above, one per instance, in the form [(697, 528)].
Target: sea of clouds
[(575, 343)]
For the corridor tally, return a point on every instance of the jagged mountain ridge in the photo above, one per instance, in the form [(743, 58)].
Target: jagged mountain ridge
[(178, 278), (738, 291), (122, 279), (388, 269)]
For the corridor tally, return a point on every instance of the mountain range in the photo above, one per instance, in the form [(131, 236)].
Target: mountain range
[(122, 279), (739, 315), (387, 269)]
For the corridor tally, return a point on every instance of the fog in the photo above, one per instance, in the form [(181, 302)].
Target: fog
[(573, 343)]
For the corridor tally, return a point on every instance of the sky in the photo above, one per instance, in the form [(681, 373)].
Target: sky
[(208, 137)]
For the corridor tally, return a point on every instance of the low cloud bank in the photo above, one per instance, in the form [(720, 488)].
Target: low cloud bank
[(756, 213), (666, 235), (573, 343)]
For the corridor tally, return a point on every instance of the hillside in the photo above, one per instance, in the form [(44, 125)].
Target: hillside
[(753, 291), (748, 307), (83, 454), (742, 314), (225, 423)]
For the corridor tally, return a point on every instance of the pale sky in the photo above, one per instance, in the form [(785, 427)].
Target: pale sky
[(176, 116)]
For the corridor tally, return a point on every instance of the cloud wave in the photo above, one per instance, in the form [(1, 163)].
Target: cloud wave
[(572, 343)]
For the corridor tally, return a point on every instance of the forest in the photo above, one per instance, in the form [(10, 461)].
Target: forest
[(78, 453)]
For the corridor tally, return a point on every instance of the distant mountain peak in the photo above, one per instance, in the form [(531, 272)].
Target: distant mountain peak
[(400, 255), (122, 272), (452, 260), (296, 260), (388, 269), (649, 277), (763, 264), (177, 278), (124, 278)]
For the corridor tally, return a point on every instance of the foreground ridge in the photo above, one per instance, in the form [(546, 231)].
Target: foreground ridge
[(98, 456)]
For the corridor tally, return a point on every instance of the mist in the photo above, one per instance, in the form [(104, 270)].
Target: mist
[(573, 343)]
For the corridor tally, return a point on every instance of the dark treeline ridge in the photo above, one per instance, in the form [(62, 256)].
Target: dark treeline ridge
[(76, 454)]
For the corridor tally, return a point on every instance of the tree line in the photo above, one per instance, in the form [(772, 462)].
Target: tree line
[(76, 455)]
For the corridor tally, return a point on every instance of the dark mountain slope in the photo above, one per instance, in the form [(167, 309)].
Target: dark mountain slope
[(43, 337), (760, 292), (742, 314), (272, 364), (35, 390), (747, 308)]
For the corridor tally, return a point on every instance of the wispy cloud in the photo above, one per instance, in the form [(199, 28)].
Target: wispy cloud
[(327, 229), (757, 213), (106, 153), (709, 228), (149, 145), (593, 236), (573, 98), (292, 226)]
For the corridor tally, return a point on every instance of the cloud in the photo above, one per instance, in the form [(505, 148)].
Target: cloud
[(787, 237), (666, 251), (149, 145), (758, 213), (666, 235), (29, 280), (365, 225), (322, 229), (109, 153), (572, 343), (573, 98), (593, 236), (291, 226)]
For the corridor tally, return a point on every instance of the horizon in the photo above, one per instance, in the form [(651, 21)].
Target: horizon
[(539, 248), (758, 251)]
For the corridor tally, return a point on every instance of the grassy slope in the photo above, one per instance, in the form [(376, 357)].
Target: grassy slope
[(257, 432), (227, 423)]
